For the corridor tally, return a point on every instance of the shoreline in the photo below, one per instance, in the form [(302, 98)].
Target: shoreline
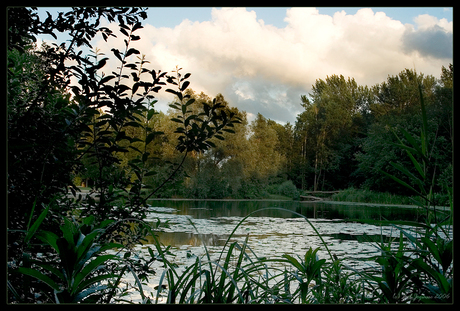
[(443, 208)]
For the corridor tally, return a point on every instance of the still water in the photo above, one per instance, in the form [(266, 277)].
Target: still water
[(215, 220), (274, 232)]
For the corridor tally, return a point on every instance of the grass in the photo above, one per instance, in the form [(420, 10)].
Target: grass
[(368, 196), (278, 197)]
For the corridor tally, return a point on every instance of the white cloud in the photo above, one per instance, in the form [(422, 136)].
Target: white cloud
[(261, 68), (433, 38), (426, 21)]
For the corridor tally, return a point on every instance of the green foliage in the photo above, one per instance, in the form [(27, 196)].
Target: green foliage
[(328, 128), (345, 135), (73, 278), (382, 147), (58, 130), (368, 196), (426, 274), (288, 189)]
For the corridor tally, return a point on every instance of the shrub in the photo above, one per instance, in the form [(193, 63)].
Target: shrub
[(288, 189)]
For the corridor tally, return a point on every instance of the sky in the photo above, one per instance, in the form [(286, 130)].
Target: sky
[(263, 59)]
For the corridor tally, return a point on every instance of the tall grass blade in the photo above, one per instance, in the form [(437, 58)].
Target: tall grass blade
[(282, 209), (31, 231)]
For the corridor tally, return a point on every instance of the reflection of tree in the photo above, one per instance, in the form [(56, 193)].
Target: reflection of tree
[(177, 239)]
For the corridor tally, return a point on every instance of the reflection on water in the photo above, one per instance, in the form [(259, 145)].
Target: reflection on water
[(215, 220), (178, 239), (211, 209)]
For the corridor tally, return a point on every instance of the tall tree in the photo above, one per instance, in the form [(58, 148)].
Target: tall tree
[(330, 117), (399, 94), (266, 161), (397, 107)]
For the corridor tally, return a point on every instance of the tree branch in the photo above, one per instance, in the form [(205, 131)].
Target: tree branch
[(169, 178)]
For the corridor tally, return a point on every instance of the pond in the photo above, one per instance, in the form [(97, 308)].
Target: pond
[(271, 231)]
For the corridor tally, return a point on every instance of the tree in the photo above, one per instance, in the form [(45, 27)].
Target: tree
[(285, 146), (398, 108), (265, 161), (207, 169), (331, 116), (399, 94)]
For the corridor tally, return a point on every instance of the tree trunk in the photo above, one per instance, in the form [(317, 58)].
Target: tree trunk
[(315, 184)]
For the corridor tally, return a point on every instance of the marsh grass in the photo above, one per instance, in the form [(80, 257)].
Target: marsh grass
[(369, 196)]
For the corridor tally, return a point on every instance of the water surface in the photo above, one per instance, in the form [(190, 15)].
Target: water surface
[(274, 232)]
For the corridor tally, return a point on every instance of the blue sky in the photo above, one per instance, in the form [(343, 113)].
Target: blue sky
[(170, 17), (263, 59)]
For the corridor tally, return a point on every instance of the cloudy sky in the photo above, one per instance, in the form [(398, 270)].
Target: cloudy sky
[(264, 59)]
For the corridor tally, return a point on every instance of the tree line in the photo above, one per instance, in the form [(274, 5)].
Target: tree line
[(345, 137)]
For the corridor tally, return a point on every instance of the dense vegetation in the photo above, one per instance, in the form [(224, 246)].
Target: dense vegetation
[(344, 138), (71, 122)]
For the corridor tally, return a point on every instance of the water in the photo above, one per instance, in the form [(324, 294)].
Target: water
[(271, 232)]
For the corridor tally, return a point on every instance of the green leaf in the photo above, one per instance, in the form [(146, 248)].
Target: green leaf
[(294, 262), (432, 248), (135, 87), (416, 164), (150, 137), (150, 173), (316, 266), (173, 92), (50, 238), (190, 101), (68, 229), (210, 143), (106, 79), (52, 269), (134, 148), (424, 136), (40, 276), (187, 121), (409, 174), (410, 150), (176, 120), (85, 290), (36, 224), (145, 156), (137, 26), (88, 292), (150, 114), (88, 241), (90, 267), (400, 182)]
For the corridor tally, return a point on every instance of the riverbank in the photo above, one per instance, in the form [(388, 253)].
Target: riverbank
[(349, 196), (328, 202), (373, 197), (442, 208)]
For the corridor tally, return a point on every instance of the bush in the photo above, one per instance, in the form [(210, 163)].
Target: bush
[(288, 189)]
